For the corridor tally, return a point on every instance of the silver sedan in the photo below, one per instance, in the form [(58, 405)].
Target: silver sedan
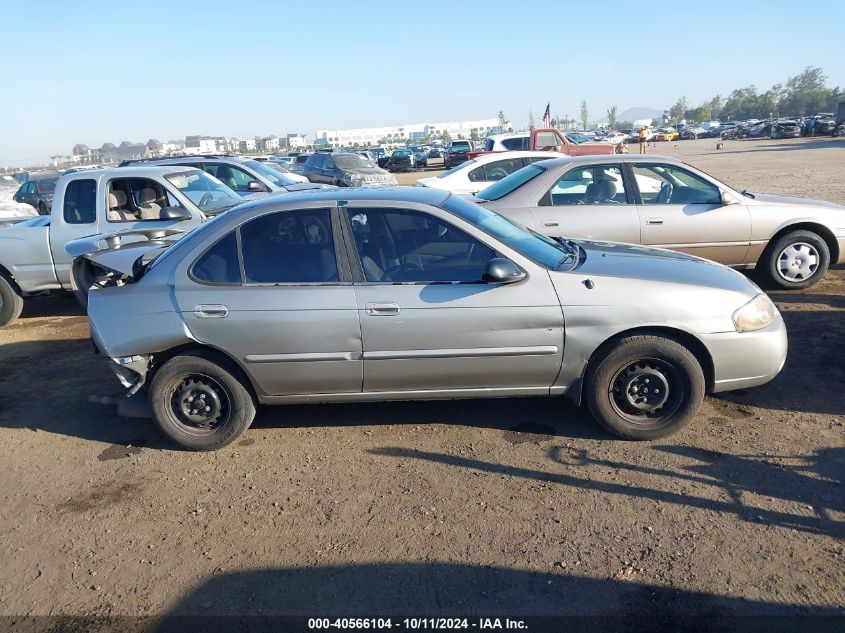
[(408, 293), (660, 201)]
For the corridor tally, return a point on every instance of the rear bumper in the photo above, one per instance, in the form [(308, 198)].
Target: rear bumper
[(747, 359)]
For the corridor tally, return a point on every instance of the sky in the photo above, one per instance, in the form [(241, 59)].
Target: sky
[(93, 72)]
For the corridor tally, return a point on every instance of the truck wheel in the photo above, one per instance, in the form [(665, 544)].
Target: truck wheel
[(644, 387), (11, 303), (199, 404), (797, 260)]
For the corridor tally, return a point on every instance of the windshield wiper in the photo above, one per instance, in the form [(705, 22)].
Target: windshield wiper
[(571, 254)]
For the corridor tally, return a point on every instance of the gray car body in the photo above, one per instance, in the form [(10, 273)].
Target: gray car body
[(734, 233), (324, 342)]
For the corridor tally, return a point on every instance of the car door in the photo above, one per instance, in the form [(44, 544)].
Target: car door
[(683, 211), (428, 320), (588, 201), (274, 294)]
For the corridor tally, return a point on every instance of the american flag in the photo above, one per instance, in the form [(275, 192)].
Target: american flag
[(547, 117)]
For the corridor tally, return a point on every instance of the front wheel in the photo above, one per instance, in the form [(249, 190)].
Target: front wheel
[(644, 387), (200, 404), (796, 260)]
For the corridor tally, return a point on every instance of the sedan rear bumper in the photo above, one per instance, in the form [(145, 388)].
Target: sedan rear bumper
[(747, 359)]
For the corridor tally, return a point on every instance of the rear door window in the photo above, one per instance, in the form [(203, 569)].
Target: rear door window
[(80, 205), (289, 247), (220, 263)]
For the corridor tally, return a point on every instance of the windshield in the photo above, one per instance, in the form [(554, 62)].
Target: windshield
[(209, 194), (459, 145), (510, 183), (277, 178), (278, 167), (351, 162), (538, 248), (401, 152)]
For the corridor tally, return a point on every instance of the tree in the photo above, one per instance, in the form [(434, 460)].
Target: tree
[(677, 111), (585, 115), (715, 107), (531, 120), (611, 118), (444, 136), (473, 134)]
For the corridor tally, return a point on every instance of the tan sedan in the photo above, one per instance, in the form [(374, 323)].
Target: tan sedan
[(663, 202)]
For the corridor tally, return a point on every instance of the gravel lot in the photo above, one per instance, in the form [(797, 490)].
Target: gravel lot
[(505, 506)]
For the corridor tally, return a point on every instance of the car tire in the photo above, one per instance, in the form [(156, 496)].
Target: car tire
[(620, 399), (184, 382), (83, 274), (11, 302), (42, 209), (796, 260)]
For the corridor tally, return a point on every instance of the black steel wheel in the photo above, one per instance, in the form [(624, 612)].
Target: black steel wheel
[(643, 387), (201, 402)]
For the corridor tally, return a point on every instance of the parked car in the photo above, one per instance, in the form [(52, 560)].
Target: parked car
[(114, 202), (249, 178), (283, 166), (481, 171), (299, 162), (362, 295), (550, 139), (456, 152), (401, 160), (692, 132), (666, 134), (435, 152), (38, 194), (345, 169), (785, 129), (660, 201), (420, 156)]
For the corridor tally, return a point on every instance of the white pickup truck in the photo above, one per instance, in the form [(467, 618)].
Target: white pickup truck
[(33, 259)]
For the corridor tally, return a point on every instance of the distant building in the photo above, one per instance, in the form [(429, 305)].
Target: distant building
[(403, 133), (200, 145), (293, 141), (249, 145)]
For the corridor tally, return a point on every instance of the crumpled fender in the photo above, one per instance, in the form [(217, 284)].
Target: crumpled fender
[(118, 252)]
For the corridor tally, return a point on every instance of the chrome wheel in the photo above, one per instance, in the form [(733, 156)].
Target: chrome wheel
[(798, 262), (646, 391), (200, 403)]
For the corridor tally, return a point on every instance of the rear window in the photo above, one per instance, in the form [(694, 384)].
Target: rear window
[(220, 263), (460, 144), (510, 183)]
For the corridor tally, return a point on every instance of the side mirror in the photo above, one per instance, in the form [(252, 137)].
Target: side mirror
[(503, 271), (727, 198), (254, 185), (174, 213)]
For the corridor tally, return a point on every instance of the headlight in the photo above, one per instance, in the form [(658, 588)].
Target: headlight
[(353, 177), (754, 315)]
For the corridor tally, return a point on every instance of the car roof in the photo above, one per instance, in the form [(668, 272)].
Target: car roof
[(608, 158), (418, 195), (129, 171)]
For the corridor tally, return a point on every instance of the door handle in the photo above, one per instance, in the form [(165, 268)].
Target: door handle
[(382, 309), (550, 223), (654, 220), (211, 311)]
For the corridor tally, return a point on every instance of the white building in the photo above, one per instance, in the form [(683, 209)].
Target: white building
[(268, 143), (248, 145), (409, 132), (200, 145), (294, 141)]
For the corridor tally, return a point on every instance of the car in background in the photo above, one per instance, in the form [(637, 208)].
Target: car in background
[(666, 134), (456, 153), (482, 171), (283, 166), (247, 177), (401, 160), (435, 152), (299, 162), (662, 202), (37, 194), (345, 169), (412, 294), (420, 156), (614, 138), (692, 132), (786, 128)]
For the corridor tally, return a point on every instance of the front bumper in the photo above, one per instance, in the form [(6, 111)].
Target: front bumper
[(747, 359)]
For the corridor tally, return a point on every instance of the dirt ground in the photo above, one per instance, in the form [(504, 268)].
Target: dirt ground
[(517, 506)]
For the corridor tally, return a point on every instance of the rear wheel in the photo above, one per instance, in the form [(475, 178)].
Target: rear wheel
[(199, 403), (11, 303), (644, 387), (83, 275), (796, 260)]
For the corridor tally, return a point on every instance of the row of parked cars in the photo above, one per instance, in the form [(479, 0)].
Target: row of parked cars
[(320, 293)]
